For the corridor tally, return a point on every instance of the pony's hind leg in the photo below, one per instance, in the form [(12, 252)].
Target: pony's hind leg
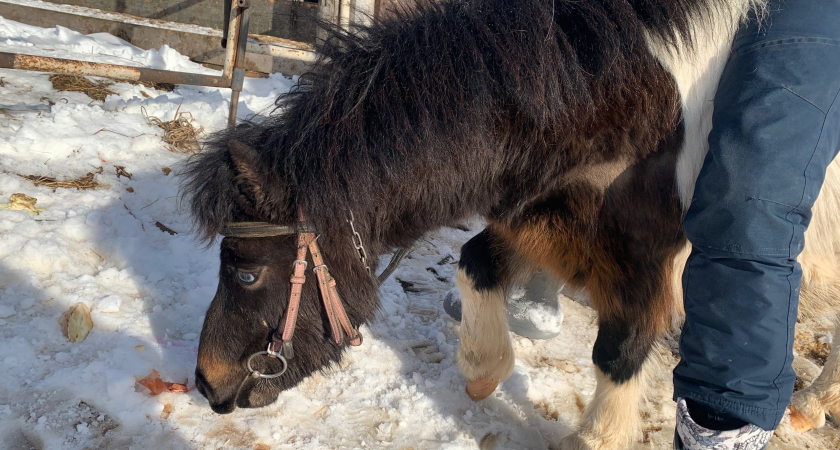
[(809, 406), (820, 299), (485, 356)]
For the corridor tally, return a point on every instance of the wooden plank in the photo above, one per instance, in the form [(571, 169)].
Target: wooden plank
[(328, 11), (287, 19), (266, 54), (363, 11)]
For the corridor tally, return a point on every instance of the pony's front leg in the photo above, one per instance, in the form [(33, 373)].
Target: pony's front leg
[(611, 420), (485, 356), (632, 313)]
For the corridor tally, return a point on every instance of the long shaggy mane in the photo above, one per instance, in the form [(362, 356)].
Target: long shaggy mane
[(438, 89)]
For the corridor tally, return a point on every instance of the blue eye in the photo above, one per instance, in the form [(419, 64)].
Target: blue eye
[(246, 277)]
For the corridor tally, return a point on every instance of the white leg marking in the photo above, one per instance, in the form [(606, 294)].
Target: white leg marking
[(611, 420), (486, 351)]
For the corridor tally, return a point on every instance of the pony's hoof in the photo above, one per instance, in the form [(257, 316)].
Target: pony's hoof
[(481, 389), (573, 442), (799, 421)]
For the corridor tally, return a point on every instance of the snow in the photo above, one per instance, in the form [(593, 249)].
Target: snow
[(148, 292)]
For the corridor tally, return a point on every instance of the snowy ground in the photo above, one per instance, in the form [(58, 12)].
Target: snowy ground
[(148, 291)]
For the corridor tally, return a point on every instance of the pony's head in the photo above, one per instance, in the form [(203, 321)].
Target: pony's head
[(234, 180)]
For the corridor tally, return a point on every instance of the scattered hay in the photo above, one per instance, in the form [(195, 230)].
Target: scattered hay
[(168, 87), (75, 83), (112, 131), (121, 172), (179, 132), (85, 182), (165, 229)]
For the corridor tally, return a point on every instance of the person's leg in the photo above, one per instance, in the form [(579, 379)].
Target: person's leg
[(776, 127)]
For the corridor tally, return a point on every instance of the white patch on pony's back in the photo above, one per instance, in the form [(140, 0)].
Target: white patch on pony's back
[(697, 69)]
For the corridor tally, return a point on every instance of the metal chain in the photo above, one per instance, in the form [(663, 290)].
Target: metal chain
[(357, 242)]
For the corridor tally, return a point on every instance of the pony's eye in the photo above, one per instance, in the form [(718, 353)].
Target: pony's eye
[(246, 277)]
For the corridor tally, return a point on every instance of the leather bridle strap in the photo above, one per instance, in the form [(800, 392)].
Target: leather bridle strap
[(339, 321), (290, 320), (332, 302), (340, 325), (264, 229), (257, 229)]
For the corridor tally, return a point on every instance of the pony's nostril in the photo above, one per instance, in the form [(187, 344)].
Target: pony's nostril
[(203, 386), (219, 406)]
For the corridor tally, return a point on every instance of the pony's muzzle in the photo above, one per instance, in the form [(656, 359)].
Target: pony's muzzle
[(219, 406)]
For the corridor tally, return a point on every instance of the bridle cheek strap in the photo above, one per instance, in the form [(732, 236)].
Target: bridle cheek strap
[(339, 321)]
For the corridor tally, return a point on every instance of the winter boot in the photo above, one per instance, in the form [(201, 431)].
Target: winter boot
[(691, 436)]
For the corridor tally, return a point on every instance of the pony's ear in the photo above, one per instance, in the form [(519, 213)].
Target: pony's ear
[(230, 182), (259, 192), (246, 162), (206, 187)]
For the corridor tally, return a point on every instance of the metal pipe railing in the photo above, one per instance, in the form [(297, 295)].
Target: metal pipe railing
[(227, 7)]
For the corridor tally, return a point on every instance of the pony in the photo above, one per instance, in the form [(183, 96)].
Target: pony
[(576, 128)]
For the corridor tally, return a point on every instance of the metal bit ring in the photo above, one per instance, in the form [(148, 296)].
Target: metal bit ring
[(268, 352)]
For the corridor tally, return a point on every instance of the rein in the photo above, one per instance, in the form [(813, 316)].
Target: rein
[(281, 346)]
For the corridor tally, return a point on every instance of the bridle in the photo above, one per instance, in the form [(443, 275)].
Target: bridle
[(280, 346)]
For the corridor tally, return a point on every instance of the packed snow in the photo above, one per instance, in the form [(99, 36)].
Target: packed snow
[(148, 290)]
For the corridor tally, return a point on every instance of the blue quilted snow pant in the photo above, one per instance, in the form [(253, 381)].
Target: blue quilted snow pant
[(776, 127)]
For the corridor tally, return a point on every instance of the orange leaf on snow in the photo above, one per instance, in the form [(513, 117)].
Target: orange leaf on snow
[(153, 383), (178, 387)]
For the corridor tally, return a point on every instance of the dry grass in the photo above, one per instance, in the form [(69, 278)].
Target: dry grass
[(165, 229), (121, 172), (168, 87), (75, 83), (179, 133), (85, 182), (98, 90)]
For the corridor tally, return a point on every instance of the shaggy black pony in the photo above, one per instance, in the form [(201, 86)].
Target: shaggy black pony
[(576, 127)]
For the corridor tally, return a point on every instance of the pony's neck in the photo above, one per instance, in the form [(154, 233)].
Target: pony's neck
[(398, 208)]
